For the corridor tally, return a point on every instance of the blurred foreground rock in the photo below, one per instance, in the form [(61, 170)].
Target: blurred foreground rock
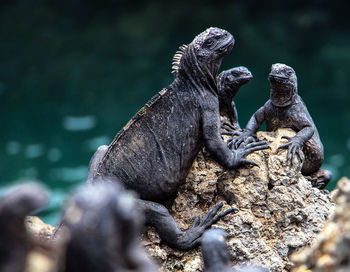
[(44, 256), (37, 228), (330, 252), (279, 211)]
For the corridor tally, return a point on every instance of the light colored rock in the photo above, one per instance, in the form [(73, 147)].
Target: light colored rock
[(279, 210), (36, 227), (44, 256), (330, 252)]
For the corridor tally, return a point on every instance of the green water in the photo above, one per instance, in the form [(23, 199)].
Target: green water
[(72, 73)]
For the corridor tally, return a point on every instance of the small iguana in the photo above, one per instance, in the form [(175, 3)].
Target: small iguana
[(154, 152), (285, 109), (229, 83)]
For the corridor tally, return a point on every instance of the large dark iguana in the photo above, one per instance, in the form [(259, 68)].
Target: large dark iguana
[(285, 109), (154, 152)]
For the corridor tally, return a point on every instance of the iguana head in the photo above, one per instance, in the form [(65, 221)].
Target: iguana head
[(235, 77), (205, 51), (283, 82)]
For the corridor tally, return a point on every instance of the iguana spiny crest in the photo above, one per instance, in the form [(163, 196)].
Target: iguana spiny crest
[(208, 46)]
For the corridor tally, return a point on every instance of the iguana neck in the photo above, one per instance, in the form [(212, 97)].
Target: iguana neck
[(200, 77), (276, 100)]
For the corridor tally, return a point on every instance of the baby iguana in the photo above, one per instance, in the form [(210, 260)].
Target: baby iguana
[(229, 83), (101, 229), (154, 152), (15, 241), (216, 256), (285, 109)]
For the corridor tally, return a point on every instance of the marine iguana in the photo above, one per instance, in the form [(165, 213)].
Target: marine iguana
[(154, 152), (285, 109), (101, 229), (15, 241), (216, 255), (229, 83)]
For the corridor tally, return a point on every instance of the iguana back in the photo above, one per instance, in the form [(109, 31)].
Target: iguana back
[(153, 153)]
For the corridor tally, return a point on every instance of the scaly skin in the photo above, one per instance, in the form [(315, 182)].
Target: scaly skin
[(154, 152), (285, 109)]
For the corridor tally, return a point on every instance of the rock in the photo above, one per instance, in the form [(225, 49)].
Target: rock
[(330, 252), (279, 210), (37, 228), (45, 254)]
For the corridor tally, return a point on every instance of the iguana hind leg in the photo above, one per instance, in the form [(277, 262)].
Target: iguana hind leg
[(159, 217), (321, 178)]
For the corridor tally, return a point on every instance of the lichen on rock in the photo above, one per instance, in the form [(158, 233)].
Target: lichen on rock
[(279, 210)]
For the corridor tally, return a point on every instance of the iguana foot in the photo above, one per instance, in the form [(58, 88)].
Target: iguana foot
[(232, 131), (321, 178), (294, 148), (158, 216), (231, 128), (248, 140), (192, 236), (235, 133), (243, 150), (244, 137)]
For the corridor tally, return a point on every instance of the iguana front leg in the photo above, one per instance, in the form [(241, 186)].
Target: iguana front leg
[(159, 217), (252, 127), (296, 143), (229, 158), (233, 117), (232, 128)]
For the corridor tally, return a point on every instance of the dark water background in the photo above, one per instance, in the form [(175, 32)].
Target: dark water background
[(73, 72)]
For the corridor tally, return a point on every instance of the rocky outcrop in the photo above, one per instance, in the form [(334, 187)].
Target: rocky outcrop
[(279, 213), (279, 210), (330, 252)]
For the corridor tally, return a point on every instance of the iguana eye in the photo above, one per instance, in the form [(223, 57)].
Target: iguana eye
[(209, 42)]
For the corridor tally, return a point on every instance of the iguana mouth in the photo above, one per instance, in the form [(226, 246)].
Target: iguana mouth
[(243, 79), (277, 77), (227, 46), (246, 77)]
